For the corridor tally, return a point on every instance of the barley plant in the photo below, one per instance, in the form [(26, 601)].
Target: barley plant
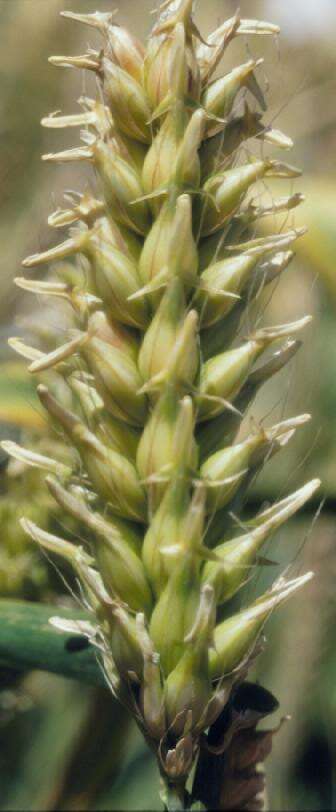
[(163, 357)]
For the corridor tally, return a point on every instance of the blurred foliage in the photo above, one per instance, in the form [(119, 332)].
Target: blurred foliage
[(22, 572), (19, 404), (64, 745)]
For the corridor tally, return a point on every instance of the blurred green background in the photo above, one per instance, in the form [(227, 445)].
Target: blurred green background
[(68, 747)]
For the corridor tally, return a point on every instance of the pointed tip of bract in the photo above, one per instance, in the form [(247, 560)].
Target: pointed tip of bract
[(205, 618), (314, 485), (55, 544), (282, 588), (281, 511), (280, 591), (6, 446), (277, 138), (99, 19), (257, 27), (270, 334), (89, 61), (171, 13), (42, 390)]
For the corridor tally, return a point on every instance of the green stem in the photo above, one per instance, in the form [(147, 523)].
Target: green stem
[(28, 641)]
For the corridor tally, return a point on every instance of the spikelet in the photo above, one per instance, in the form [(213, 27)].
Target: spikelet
[(159, 376)]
